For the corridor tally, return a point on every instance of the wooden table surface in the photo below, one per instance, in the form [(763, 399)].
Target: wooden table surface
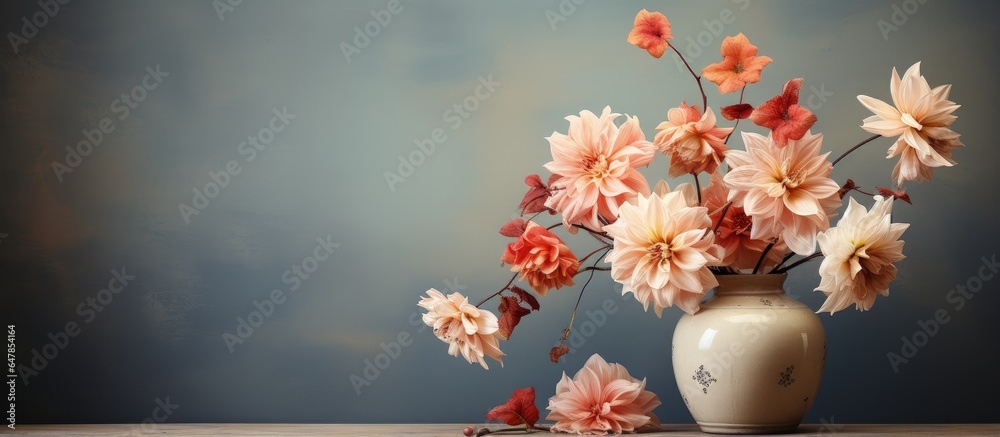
[(248, 429)]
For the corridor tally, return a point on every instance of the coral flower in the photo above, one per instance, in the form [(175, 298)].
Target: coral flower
[(602, 398), (733, 234), (597, 161), (542, 258), (920, 117), (786, 190), (859, 254), (783, 115), (651, 32), (661, 252), (740, 65), (467, 330), (693, 141)]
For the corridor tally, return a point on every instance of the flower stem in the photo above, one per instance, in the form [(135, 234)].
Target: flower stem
[(593, 268), (697, 186), (762, 256), (697, 78), (783, 261), (848, 152), (726, 141), (606, 246), (796, 263), (505, 287)]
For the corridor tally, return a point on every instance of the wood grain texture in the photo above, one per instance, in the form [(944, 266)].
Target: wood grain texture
[(245, 429)]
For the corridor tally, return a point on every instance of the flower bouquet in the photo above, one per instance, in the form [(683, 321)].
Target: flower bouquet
[(765, 210)]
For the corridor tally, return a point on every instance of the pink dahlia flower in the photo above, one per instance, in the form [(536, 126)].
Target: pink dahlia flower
[(542, 258), (920, 117), (661, 252), (741, 251), (602, 398), (787, 191), (467, 330), (859, 253), (693, 141), (597, 161)]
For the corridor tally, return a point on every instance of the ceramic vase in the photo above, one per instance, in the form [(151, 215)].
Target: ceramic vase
[(751, 359)]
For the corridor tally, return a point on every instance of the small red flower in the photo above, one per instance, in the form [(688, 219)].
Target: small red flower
[(783, 115), (740, 65), (651, 32)]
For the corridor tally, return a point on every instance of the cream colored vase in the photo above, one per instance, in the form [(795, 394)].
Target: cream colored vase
[(750, 361)]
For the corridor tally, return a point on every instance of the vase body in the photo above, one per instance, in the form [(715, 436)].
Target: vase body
[(751, 360)]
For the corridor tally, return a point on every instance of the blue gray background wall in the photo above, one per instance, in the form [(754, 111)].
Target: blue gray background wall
[(225, 70)]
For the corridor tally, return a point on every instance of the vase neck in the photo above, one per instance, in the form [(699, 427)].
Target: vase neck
[(736, 285)]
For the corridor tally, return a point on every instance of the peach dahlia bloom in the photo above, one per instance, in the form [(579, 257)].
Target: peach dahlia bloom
[(693, 141), (597, 161), (920, 117), (661, 252), (602, 398), (859, 253), (542, 258), (733, 234), (467, 330), (787, 191)]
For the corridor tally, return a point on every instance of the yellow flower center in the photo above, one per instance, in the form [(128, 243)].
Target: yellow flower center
[(597, 167), (660, 252), (790, 179)]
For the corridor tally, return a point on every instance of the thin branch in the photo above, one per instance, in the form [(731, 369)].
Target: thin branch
[(797, 263), (511, 281), (848, 152), (726, 141), (591, 253), (697, 186), (572, 318), (762, 256), (697, 78), (787, 257)]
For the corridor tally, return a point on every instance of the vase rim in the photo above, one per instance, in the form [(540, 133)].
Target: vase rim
[(750, 284)]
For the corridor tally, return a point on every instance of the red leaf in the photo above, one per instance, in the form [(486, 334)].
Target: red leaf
[(513, 228), (538, 193), (520, 408), (525, 297), (740, 111), (901, 195), (557, 352), (510, 315)]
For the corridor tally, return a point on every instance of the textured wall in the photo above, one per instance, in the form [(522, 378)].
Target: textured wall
[(288, 133)]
